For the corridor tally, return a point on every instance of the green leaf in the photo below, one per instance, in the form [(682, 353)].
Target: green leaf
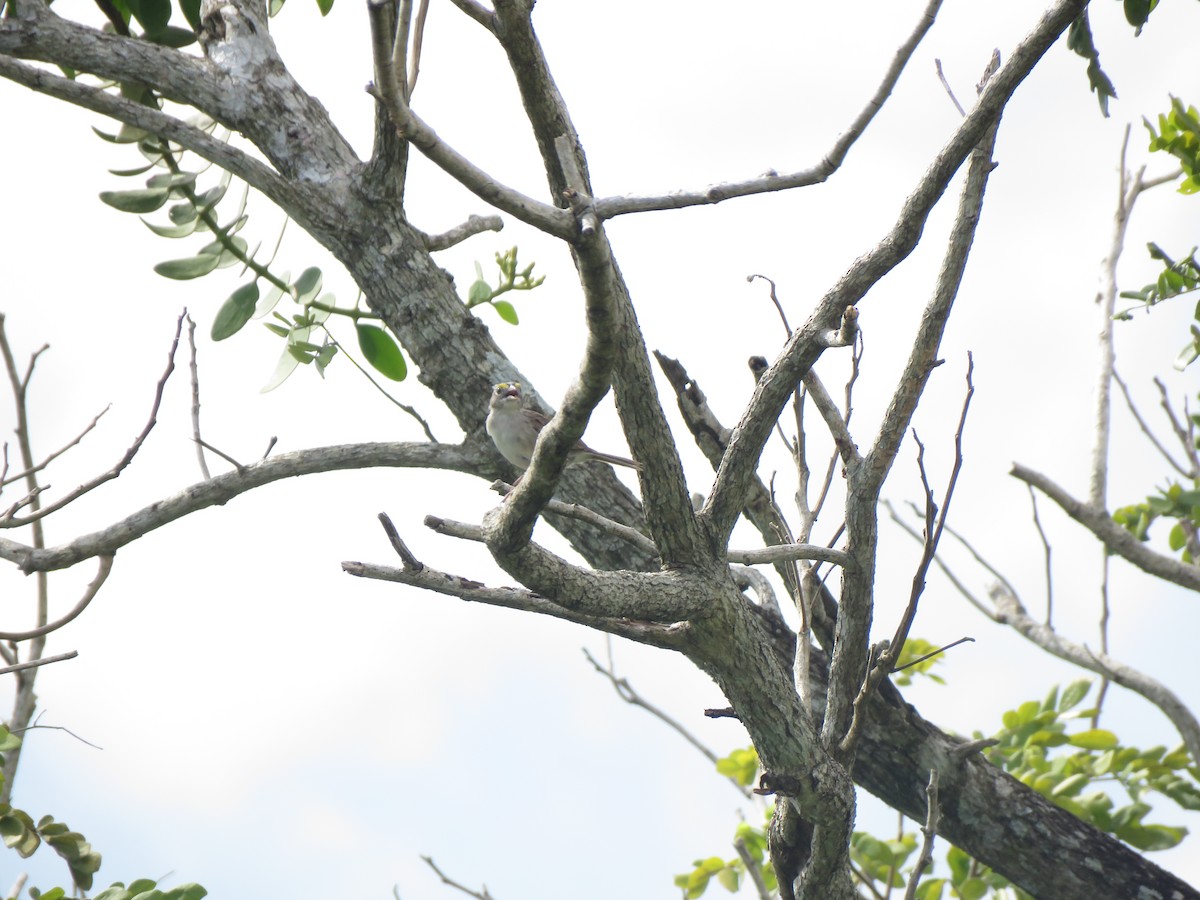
[(271, 298), (308, 285), (129, 173), (480, 292), (324, 6), (381, 351), (171, 180), (1152, 837), (1074, 693), (191, 12), (1177, 538), (728, 878), (1094, 739), (173, 231), (1137, 12), (235, 312), (283, 369), (142, 201), (972, 889), (171, 36), (8, 740), (192, 267), (506, 311)]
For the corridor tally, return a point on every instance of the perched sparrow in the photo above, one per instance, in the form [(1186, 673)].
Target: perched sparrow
[(515, 429)]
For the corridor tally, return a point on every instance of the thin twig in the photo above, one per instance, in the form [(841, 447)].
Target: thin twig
[(393, 536), (34, 663), (88, 595), (221, 453), (414, 61), (1046, 555), (40, 467), (627, 693), (753, 869), (1148, 432), (478, 895), (195, 370), (125, 460), (1185, 435), (937, 63), (773, 181), (929, 830)]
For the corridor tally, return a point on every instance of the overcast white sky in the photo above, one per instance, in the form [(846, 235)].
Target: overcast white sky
[(271, 726)]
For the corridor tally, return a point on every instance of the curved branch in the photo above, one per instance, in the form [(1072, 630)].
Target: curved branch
[(1112, 535), (1009, 611), (610, 207), (88, 595), (223, 488)]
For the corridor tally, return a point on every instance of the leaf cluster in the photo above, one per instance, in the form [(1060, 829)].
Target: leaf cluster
[(731, 873), (1072, 780), (20, 833), (481, 291), (1173, 502)]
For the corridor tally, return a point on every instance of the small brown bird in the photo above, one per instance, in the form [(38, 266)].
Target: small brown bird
[(515, 429)]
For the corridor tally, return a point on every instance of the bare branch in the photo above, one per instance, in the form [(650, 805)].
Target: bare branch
[(550, 219), (929, 830), (937, 63), (778, 552), (804, 348), (1113, 536), (834, 421), (195, 371), (627, 693), (478, 895), (125, 460), (478, 12), (459, 233), (933, 533), (946, 570), (223, 488), (88, 595), (1147, 431), (1185, 435), (609, 207), (583, 514), (41, 467), (669, 636), (40, 661)]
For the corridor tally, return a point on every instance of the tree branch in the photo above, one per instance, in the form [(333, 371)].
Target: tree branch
[(609, 207), (804, 347), (223, 488), (1113, 536)]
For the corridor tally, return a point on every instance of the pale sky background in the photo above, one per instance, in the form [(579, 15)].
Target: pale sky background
[(273, 727)]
